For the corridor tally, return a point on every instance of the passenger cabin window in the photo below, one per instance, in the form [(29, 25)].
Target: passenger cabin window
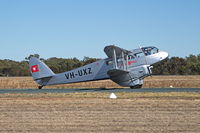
[(140, 54), (130, 57), (150, 50)]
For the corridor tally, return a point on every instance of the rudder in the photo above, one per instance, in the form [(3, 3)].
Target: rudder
[(40, 72)]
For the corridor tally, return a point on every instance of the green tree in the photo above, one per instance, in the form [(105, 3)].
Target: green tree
[(32, 55)]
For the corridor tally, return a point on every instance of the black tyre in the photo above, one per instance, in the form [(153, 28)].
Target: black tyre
[(40, 87), (136, 87)]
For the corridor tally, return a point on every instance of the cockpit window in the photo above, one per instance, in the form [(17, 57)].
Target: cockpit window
[(150, 50)]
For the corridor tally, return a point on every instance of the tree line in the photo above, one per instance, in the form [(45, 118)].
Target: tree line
[(171, 66), (178, 66), (15, 68)]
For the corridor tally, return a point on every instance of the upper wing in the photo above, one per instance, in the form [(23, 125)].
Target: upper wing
[(109, 50)]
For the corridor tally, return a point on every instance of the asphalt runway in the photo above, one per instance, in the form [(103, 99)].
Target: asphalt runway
[(110, 90)]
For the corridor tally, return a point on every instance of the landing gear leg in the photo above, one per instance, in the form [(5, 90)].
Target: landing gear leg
[(136, 87), (40, 87)]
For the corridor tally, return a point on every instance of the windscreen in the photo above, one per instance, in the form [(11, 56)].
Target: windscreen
[(150, 50)]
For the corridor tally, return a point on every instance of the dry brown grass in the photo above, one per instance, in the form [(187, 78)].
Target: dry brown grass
[(175, 81), (120, 95), (17, 82), (133, 113), (150, 82)]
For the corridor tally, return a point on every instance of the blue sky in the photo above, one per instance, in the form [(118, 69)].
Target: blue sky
[(78, 28)]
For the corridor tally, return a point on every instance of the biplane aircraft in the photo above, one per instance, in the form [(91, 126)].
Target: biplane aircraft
[(127, 68)]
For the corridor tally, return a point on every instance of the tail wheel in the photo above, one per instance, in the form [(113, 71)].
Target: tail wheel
[(136, 87)]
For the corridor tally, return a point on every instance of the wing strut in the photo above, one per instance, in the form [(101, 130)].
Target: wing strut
[(114, 60), (127, 62), (123, 60), (119, 56)]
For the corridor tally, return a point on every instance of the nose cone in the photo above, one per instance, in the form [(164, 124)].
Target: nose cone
[(163, 55)]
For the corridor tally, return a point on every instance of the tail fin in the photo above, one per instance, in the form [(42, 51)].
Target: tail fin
[(41, 73)]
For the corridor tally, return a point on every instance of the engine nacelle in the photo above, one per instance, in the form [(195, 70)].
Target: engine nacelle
[(133, 78), (140, 72)]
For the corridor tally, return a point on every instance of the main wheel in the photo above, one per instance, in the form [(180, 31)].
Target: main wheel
[(40, 87), (136, 87)]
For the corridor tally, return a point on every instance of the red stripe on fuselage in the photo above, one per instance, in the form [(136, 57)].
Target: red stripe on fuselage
[(131, 62)]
